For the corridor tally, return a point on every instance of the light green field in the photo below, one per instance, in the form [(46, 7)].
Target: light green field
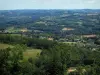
[(12, 29), (70, 42), (31, 53), (4, 46), (15, 34)]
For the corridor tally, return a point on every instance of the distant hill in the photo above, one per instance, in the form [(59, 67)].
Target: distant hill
[(84, 21)]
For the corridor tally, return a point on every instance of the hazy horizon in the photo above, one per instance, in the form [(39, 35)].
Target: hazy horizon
[(49, 4)]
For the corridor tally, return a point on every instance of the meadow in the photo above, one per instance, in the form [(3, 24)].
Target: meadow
[(28, 53), (4, 46), (31, 53)]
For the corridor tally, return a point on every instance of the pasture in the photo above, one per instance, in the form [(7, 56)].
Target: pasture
[(70, 42), (28, 53), (14, 30), (4, 46), (31, 53)]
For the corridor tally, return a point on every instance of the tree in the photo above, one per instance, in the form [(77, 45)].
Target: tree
[(4, 68)]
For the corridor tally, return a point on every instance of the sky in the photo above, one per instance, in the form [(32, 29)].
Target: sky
[(49, 4)]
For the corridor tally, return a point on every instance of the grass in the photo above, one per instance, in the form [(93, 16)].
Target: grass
[(15, 34), (70, 42), (13, 30), (4, 46), (31, 53)]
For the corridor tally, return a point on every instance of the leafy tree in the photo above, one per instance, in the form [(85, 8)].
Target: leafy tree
[(4, 68)]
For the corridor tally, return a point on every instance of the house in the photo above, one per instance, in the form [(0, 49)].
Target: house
[(72, 69), (50, 39)]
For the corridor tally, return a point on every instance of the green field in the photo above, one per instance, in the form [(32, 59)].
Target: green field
[(70, 42), (4, 46), (12, 29), (31, 53)]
